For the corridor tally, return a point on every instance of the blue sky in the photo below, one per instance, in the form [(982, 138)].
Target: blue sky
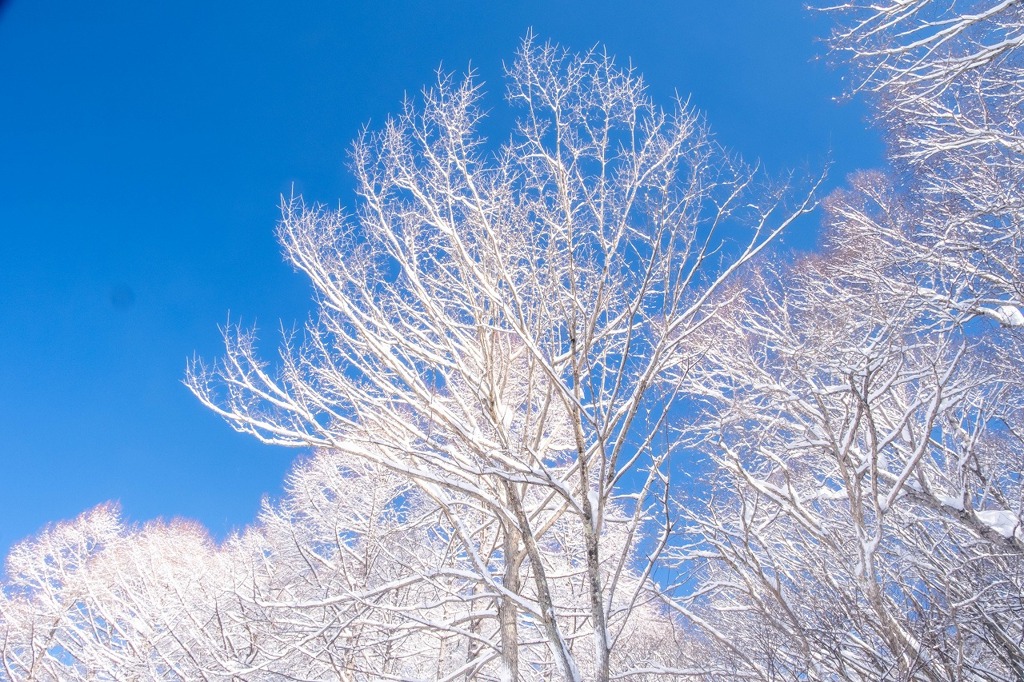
[(143, 150)]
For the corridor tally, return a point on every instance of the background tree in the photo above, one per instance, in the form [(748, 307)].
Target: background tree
[(866, 514), (353, 575), (947, 82)]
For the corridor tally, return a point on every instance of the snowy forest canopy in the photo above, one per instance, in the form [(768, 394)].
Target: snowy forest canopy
[(521, 351)]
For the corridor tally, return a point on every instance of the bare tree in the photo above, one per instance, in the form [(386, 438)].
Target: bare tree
[(501, 332), (91, 599), (947, 74), (947, 80), (865, 519)]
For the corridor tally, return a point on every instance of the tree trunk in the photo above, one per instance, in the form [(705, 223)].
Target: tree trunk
[(507, 617)]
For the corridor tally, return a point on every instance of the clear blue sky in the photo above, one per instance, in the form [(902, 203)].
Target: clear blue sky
[(143, 150)]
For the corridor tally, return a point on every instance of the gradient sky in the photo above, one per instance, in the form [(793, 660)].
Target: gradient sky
[(144, 147)]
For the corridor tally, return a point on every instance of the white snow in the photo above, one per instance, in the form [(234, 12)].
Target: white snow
[(827, 493), (952, 502), (1003, 522), (1008, 315), (594, 505)]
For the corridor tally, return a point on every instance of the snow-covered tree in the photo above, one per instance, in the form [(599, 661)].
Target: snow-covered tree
[(947, 82), (86, 599), (866, 512), (501, 331), (353, 575), (866, 505)]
